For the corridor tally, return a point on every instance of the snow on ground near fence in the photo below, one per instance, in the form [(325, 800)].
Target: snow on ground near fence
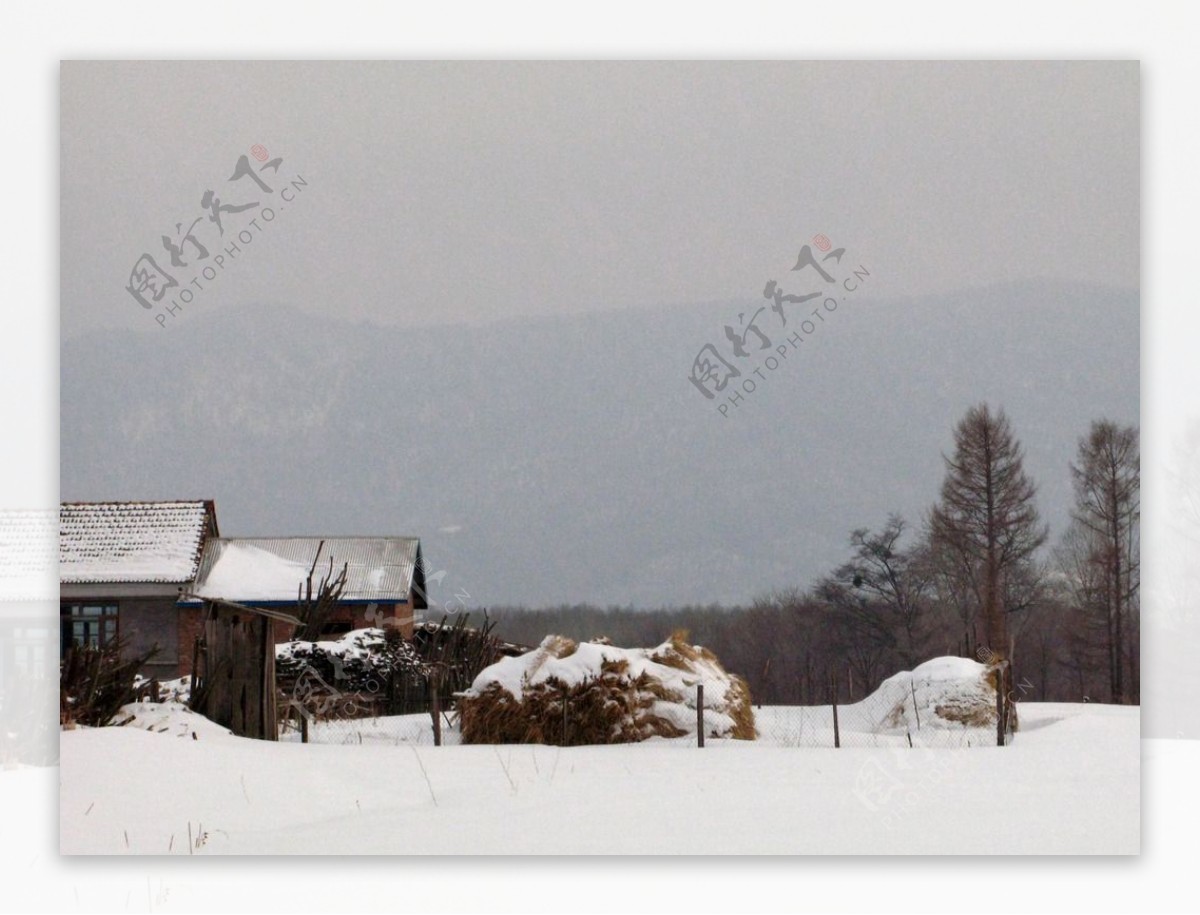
[(1068, 784)]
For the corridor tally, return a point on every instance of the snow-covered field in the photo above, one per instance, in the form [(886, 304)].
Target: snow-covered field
[(174, 783)]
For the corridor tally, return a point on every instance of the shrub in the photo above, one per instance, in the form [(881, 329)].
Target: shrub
[(95, 682)]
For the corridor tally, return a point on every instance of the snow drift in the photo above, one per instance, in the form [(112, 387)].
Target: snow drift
[(170, 717), (570, 694)]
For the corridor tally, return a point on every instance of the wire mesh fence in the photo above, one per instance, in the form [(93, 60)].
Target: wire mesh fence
[(414, 729), (868, 723), (409, 709), (906, 711)]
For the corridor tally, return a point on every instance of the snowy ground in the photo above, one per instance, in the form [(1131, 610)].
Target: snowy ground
[(1069, 784)]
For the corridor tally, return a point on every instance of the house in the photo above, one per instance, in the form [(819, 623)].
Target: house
[(122, 569), (385, 578), (150, 573)]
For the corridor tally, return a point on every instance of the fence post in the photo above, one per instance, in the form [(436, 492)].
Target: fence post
[(1000, 710), (833, 697), (700, 715), (436, 699), (192, 691), (564, 740), (303, 726), (916, 711)]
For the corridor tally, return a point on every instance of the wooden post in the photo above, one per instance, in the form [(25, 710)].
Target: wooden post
[(700, 715), (303, 725), (564, 736), (916, 711), (436, 707), (833, 697), (1000, 704), (192, 691), (270, 709)]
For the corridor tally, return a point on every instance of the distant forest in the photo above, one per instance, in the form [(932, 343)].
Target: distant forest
[(975, 577)]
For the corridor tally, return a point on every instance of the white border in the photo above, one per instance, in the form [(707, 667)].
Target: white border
[(1161, 35)]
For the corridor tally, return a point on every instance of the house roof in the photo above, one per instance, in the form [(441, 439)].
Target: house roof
[(132, 541), (271, 570), (28, 541)]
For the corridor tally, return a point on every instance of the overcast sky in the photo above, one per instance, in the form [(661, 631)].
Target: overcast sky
[(448, 192)]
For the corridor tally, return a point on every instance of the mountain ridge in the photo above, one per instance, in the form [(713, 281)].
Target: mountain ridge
[(568, 458)]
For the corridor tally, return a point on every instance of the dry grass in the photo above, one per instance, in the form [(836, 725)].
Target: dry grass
[(609, 708), (973, 715), (978, 714), (678, 653)]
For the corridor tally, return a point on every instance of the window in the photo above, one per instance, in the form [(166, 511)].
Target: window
[(94, 625)]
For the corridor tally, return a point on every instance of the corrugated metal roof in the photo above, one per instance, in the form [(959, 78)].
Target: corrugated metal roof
[(271, 569), (132, 541)]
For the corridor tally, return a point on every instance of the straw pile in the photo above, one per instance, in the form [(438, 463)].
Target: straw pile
[(943, 692), (569, 694)]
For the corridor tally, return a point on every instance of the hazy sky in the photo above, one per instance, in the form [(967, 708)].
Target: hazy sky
[(445, 192)]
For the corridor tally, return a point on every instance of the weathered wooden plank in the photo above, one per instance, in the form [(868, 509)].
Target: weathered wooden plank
[(251, 680), (270, 722), (240, 667), (227, 694)]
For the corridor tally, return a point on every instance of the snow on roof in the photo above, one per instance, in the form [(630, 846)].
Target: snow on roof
[(28, 540), (249, 572), (132, 541), (252, 570)]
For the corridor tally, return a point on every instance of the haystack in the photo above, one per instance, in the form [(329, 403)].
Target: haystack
[(944, 692), (569, 694)]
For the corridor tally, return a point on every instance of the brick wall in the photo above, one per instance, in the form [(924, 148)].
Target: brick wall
[(149, 622)]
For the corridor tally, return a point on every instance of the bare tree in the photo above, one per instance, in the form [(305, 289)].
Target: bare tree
[(1107, 480), (314, 609), (952, 595), (1085, 630), (1041, 639), (987, 518), (884, 590)]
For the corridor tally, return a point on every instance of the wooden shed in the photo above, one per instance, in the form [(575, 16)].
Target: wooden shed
[(233, 676)]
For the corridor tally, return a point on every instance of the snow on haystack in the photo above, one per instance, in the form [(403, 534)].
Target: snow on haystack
[(570, 694), (945, 692)]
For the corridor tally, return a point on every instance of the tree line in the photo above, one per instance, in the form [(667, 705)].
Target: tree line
[(977, 576)]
